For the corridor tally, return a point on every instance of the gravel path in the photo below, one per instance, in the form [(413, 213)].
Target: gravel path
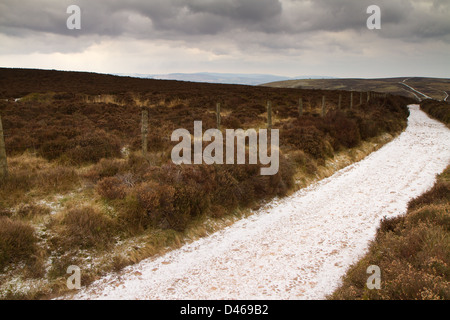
[(300, 246)]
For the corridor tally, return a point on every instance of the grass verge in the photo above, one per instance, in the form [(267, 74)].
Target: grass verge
[(412, 252), (439, 110)]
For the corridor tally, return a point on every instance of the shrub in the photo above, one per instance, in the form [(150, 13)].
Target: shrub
[(308, 139), (86, 227), (139, 166), (440, 193), (227, 191), (369, 128), (303, 161), (93, 146), (217, 211), (232, 122), (131, 214), (286, 172), (188, 201), (344, 131), (157, 200), (55, 148), (105, 168), (17, 241), (111, 188), (172, 206)]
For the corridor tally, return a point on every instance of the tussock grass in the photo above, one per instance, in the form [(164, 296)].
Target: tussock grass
[(30, 211), (17, 242), (31, 176), (84, 227), (104, 98)]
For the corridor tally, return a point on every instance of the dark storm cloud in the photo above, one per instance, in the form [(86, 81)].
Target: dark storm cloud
[(112, 17), (190, 20)]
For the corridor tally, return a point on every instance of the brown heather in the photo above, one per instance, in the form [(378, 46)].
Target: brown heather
[(439, 110), (74, 142)]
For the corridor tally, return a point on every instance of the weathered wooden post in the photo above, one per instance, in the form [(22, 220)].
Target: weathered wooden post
[(340, 102), (144, 130), (351, 100), (361, 98), (3, 161), (218, 116), (269, 115), (300, 107), (323, 106), (368, 96)]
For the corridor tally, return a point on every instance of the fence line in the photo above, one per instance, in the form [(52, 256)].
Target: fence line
[(323, 106), (145, 126), (300, 107), (351, 100), (144, 130), (269, 115), (218, 116), (3, 160)]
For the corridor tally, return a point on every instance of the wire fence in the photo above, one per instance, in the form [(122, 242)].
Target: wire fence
[(54, 148)]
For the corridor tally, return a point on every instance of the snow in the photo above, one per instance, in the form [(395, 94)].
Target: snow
[(300, 246), (422, 94)]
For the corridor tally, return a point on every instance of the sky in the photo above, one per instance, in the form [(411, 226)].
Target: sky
[(282, 37)]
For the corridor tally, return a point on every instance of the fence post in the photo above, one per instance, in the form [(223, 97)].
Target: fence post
[(340, 102), (3, 161), (361, 98), (269, 115), (144, 130), (300, 107), (368, 96), (323, 106), (351, 100), (218, 116)]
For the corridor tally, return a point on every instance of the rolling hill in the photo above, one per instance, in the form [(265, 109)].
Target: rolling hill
[(435, 88)]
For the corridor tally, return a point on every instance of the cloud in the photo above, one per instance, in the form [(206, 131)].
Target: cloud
[(177, 18), (229, 31)]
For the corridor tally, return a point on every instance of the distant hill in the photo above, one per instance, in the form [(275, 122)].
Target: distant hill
[(223, 78), (435, 88)]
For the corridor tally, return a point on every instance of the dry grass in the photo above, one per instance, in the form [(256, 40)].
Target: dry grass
[(104, 98), (17, 242), (31, 176), (84, 227)]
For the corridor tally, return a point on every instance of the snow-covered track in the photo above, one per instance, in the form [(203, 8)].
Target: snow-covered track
[(298, 247)]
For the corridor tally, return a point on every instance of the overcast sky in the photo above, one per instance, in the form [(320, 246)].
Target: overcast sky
[(281, 37)]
